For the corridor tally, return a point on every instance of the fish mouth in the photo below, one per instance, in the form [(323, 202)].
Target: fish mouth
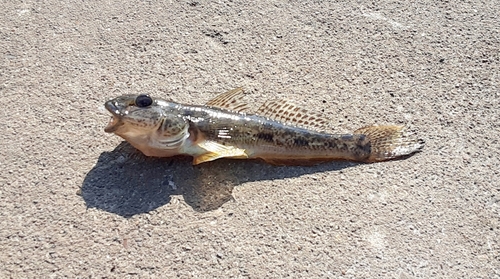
[(113, 125), (115, 121)]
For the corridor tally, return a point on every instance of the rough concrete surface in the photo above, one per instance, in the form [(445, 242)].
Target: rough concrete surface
[(77, 202)]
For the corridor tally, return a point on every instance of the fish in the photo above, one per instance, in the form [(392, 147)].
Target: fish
[(278, 132)]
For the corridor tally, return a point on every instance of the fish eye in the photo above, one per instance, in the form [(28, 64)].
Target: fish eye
[(143, 101)]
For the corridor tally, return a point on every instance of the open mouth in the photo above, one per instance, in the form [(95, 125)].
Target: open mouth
[(114, 121), (113, 124)]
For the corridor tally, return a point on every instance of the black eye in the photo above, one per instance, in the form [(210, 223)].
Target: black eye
[(143, 101)]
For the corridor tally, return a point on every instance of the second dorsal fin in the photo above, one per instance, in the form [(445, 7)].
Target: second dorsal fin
[(291, 114), (231, 100)]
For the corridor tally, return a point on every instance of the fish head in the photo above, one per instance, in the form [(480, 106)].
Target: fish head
[(153, 126)]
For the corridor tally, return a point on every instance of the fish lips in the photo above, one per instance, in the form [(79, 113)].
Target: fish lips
[(116, 119)]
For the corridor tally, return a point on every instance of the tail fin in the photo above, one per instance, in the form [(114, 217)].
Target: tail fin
[(390, 142)]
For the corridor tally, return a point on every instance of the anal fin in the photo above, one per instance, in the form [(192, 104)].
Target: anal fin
[(295, 162), (216, 151)]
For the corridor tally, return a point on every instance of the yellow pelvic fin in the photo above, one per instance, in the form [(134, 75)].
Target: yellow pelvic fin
[(291, 114), (231, 100), (216, 151)]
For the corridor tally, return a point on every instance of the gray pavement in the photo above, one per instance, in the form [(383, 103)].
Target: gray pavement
[(77, 202)]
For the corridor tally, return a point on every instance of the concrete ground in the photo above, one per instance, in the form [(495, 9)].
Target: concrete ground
[(77, 202)]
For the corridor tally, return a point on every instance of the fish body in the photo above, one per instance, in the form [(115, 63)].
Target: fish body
[(223, 128)]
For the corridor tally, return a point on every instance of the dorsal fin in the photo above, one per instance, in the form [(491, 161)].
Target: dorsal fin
[(291, 114), (231, 100)]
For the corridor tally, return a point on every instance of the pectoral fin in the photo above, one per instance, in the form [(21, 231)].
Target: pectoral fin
[(216, 151)]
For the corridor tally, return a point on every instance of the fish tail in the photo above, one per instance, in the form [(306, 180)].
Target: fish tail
[(390, 142)]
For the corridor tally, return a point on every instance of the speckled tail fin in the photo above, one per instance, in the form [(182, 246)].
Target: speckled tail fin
[(390, 142)]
